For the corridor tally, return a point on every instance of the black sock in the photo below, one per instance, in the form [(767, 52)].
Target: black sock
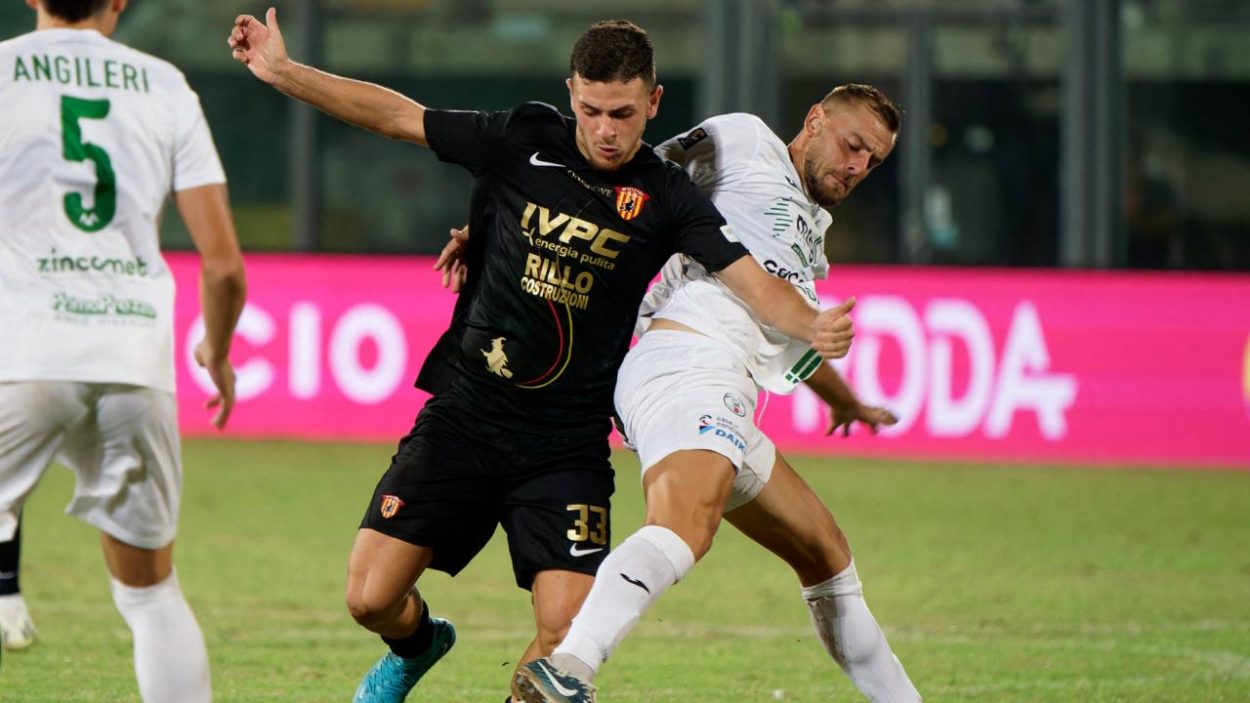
[(10, 555), (416, 643)]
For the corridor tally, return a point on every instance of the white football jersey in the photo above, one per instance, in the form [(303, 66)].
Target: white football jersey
[(93, 138), (745, 169)]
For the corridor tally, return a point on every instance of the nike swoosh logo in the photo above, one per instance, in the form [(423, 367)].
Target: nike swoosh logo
[(556, 682), (575, 551), (637, 583), (5, 575), (539, 162)]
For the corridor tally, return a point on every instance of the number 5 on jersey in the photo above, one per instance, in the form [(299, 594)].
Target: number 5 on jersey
[(98, 217)]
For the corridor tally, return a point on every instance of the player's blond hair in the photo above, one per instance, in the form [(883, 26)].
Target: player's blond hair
[(862, 94)]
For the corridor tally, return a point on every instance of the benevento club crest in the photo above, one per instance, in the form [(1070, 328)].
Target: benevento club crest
[(629, 202), (390, 505)]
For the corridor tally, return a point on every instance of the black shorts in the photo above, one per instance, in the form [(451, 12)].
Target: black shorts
[(456, 476)]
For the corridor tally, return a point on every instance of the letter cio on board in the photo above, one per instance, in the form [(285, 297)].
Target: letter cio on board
[(307, 345)]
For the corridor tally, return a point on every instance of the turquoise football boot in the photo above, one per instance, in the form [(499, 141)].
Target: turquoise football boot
[(390, 680)]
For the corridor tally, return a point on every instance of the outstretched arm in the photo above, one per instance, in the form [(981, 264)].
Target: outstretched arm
[(259, 46), (829, 385), (779, 305)]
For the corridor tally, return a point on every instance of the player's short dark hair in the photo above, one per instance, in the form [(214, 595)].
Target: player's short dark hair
[(867, 95), (73, 10), (614, 50)]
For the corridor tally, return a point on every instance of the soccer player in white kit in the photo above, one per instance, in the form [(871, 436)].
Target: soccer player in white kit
[(686, 398), (93, 137)]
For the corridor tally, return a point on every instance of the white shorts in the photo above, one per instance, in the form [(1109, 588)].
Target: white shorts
[(120, 441), (680, 390)]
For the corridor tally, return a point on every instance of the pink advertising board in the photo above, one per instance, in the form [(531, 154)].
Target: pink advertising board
[(1038, 366)]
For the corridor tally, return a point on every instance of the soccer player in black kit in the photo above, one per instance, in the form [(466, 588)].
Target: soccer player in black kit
[(571, 220)]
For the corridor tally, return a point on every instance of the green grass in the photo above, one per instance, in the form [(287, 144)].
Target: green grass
[(993, 583)]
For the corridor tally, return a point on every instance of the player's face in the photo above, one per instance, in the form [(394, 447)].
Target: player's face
[(611, 118), (846, 143)]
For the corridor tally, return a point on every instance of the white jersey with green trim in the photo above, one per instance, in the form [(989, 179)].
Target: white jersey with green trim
[(738, 162), (93, 138)]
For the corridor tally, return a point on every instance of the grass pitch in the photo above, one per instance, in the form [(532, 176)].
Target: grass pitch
[(993, 583)]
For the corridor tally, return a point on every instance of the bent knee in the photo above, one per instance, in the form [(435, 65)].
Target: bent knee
[(696, 534), (553, 624), (371, 609), (695, 525)]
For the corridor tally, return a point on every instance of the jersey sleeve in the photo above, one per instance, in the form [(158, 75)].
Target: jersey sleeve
[(701, 230), (196, 162), (694, 151), (468, 138)]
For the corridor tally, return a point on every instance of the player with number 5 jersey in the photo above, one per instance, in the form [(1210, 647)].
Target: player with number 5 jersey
[(95, 134), (94, 137)]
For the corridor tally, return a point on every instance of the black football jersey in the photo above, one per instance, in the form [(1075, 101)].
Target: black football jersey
[(560, 255)]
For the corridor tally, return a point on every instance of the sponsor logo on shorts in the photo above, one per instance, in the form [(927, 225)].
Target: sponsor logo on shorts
[(390, 505), (723, 428), (736, 404), (576, 551), (705, 424)]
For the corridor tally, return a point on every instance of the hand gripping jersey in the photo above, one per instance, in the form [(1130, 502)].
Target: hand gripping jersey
[(93, 136), (746, 170), (559, 258)]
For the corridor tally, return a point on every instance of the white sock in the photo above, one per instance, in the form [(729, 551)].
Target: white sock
[(852, 637), (171, 662), (17, 630), (627, 583), (12, 606)]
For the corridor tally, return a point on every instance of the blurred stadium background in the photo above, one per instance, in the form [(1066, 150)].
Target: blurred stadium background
[(1106, 133), (1068, 200)]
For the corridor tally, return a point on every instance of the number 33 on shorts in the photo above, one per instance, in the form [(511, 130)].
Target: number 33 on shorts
[(589, 525)]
